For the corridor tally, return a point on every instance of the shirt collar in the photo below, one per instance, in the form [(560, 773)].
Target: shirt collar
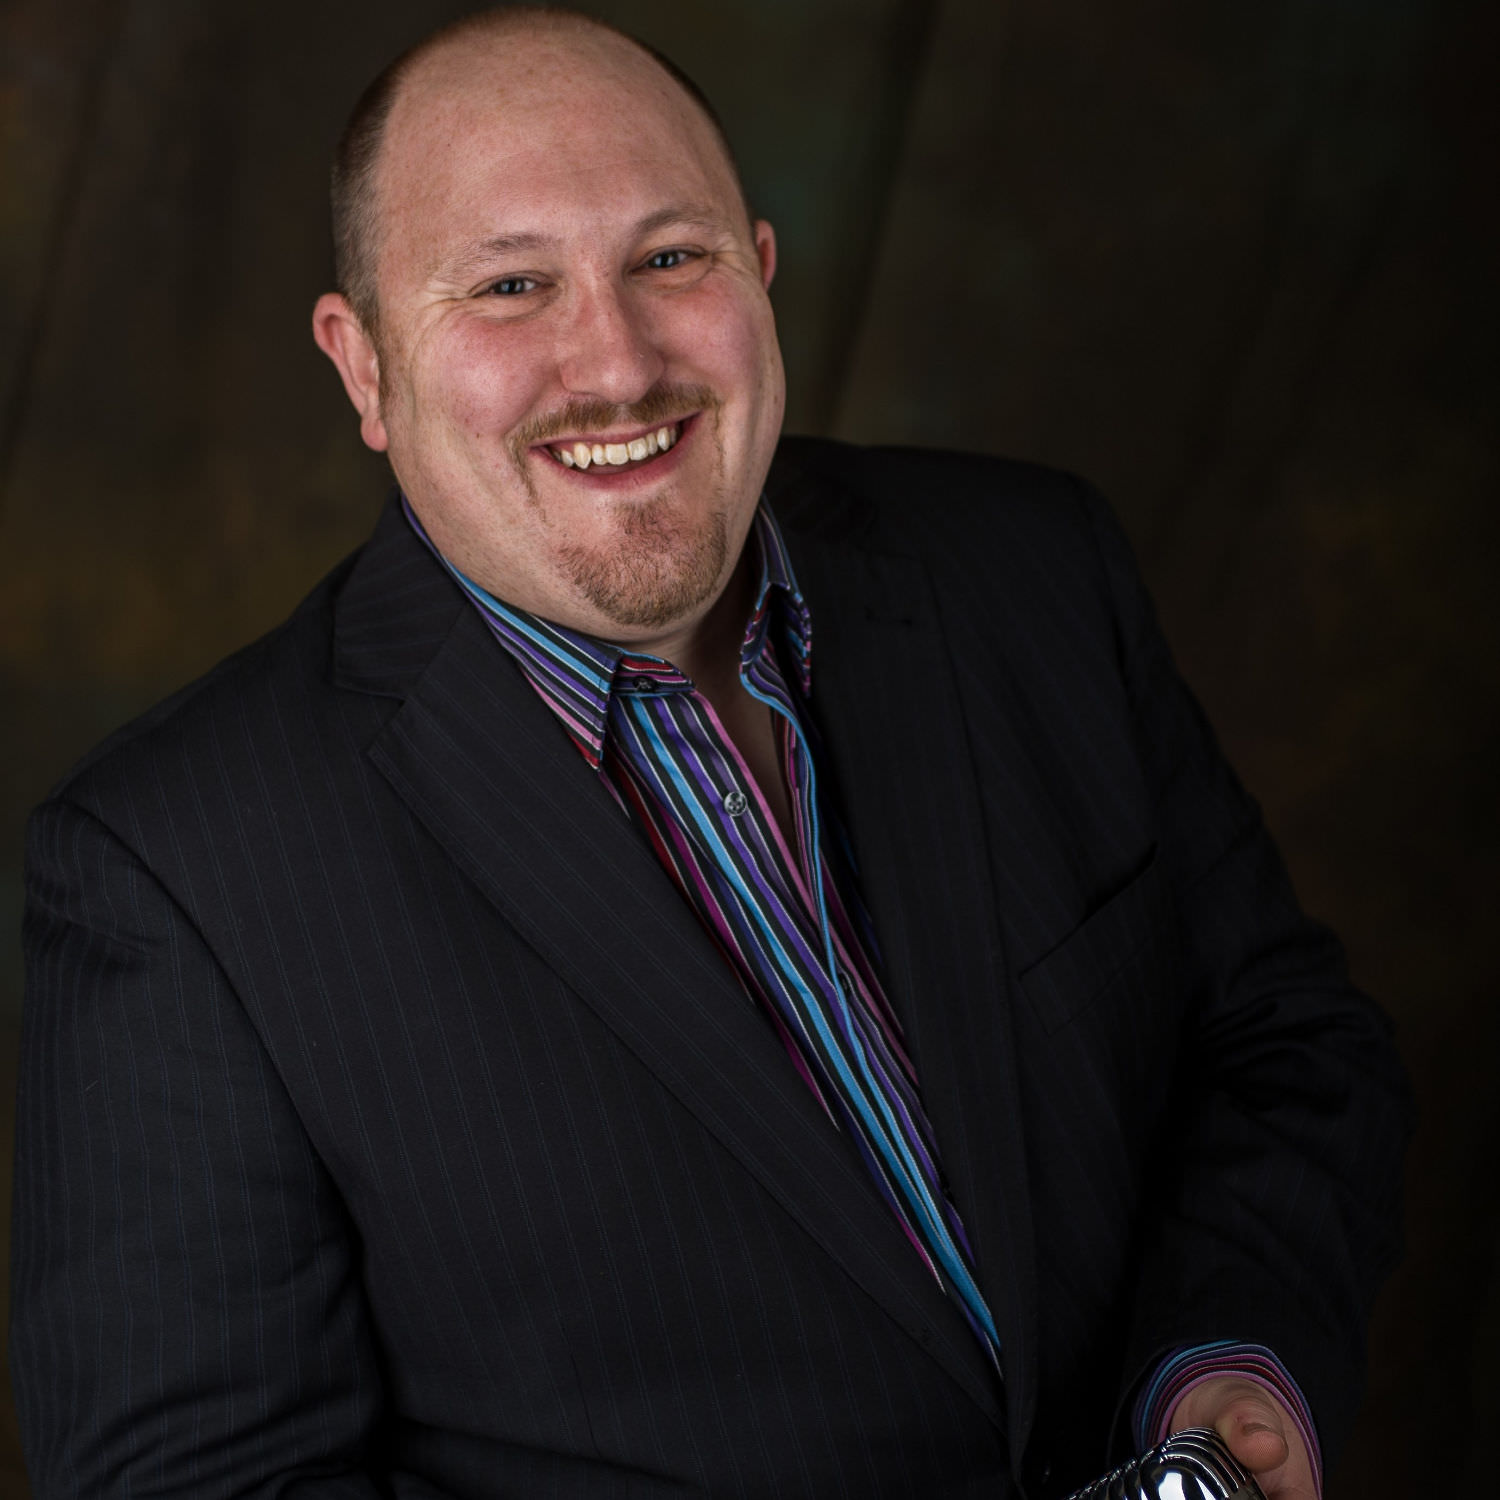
[(576, 674)]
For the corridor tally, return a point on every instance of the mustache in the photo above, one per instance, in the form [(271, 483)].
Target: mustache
[(659, 407)]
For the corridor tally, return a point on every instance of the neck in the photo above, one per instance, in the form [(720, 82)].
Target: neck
[(708, 651)]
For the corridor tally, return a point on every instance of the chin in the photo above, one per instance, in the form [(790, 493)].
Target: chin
[(658, 567)]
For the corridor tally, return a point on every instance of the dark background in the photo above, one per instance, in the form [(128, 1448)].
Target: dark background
[(1235, 260)]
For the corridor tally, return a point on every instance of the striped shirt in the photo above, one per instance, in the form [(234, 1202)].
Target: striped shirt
[(787, 917)]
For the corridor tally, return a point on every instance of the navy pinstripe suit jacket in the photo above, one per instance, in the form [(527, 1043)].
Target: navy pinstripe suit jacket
[(389, 1127)]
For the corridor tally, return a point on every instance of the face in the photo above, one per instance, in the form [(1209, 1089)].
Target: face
[(577, 378)]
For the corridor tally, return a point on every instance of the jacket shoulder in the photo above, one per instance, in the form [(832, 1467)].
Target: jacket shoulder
[(907, 498), (173, 741)]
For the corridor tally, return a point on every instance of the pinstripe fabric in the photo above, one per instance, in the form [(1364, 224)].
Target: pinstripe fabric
[(777, 913), (389, 1126)]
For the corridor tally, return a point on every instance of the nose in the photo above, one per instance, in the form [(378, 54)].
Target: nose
[(608, 351)]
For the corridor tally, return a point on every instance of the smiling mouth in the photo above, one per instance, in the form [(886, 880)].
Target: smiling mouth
[(634, 452)]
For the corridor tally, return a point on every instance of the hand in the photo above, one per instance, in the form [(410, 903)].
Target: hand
[(1257, 1429)]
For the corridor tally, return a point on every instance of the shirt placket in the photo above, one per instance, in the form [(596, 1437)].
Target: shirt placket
[(731, 826)]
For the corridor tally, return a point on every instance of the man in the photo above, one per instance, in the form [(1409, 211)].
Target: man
[(634, 990)]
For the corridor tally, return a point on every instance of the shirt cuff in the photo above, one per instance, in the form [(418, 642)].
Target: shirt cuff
[(1180, 1371)]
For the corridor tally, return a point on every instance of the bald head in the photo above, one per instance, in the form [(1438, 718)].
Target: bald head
[(510, 45)]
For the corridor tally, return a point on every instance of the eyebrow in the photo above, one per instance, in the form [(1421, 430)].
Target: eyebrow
[(481, 253)]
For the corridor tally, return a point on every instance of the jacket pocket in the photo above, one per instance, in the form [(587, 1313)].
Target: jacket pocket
[(1101, 950)]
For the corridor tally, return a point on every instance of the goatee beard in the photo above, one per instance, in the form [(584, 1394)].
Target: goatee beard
[(660, 568)]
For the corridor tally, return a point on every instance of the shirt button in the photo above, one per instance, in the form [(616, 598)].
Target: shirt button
[(735, 803), (645, 684)]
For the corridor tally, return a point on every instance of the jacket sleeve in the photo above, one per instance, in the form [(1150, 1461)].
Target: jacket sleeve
[(1278, 1190), (188, 1318)]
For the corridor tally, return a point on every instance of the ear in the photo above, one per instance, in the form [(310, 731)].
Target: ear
[(765, 248), (341, 336)]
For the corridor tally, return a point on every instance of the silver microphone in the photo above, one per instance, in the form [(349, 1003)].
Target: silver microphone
[(1192, 1464)]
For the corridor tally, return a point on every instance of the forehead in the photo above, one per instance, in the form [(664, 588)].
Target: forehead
[(510, 127)]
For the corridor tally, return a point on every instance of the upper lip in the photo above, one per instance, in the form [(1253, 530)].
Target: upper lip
[(629, 435)]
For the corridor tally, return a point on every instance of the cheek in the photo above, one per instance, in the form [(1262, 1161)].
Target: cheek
[(724, 332), (490, 377)]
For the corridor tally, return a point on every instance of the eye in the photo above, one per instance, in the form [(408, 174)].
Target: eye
[(668, 260), (509, 286)]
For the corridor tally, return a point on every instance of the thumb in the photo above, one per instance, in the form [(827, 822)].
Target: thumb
[(1252, 1430), (1244, 1415)]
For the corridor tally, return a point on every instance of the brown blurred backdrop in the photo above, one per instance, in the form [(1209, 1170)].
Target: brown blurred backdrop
[(1233, 259)]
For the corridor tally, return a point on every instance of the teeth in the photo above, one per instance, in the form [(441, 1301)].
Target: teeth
[(581, 454)]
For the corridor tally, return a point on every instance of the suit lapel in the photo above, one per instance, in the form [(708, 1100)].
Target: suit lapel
[(479, 759), (888, 710)]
